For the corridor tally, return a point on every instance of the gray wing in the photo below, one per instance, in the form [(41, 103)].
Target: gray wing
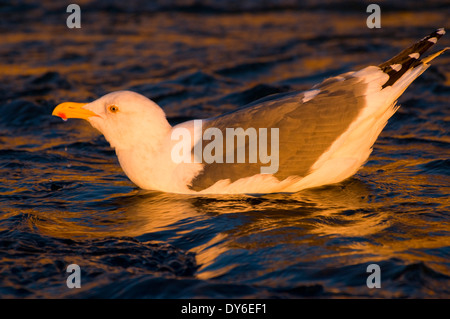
[(306, 129)]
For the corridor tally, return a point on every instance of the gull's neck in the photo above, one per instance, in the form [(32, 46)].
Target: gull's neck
[(143, 159), (150, 164)]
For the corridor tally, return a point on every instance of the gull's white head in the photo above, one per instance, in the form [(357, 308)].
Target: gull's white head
[(125, 118)]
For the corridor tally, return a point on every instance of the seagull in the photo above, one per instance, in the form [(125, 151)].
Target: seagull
[(321, 136)]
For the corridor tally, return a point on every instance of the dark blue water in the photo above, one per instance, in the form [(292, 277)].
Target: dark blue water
[(64, 199)]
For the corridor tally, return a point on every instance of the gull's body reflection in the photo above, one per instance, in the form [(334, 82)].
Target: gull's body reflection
[(274, 240), (234, 231)]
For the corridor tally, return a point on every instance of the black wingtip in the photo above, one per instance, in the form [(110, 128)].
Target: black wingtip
[(409, 58)]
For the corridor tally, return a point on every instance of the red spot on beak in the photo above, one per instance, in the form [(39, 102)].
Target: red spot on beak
[(62, 115)]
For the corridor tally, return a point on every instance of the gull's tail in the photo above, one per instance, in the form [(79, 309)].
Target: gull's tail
[(410, 58)]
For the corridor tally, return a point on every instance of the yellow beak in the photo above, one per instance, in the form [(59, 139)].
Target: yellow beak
[(71, 110)]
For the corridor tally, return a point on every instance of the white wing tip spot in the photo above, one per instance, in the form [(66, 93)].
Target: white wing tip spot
[(414, 55), (441, 31), (433, 39), (396, 67)]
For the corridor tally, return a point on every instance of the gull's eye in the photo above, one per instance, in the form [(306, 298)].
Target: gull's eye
[(114, 109)]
